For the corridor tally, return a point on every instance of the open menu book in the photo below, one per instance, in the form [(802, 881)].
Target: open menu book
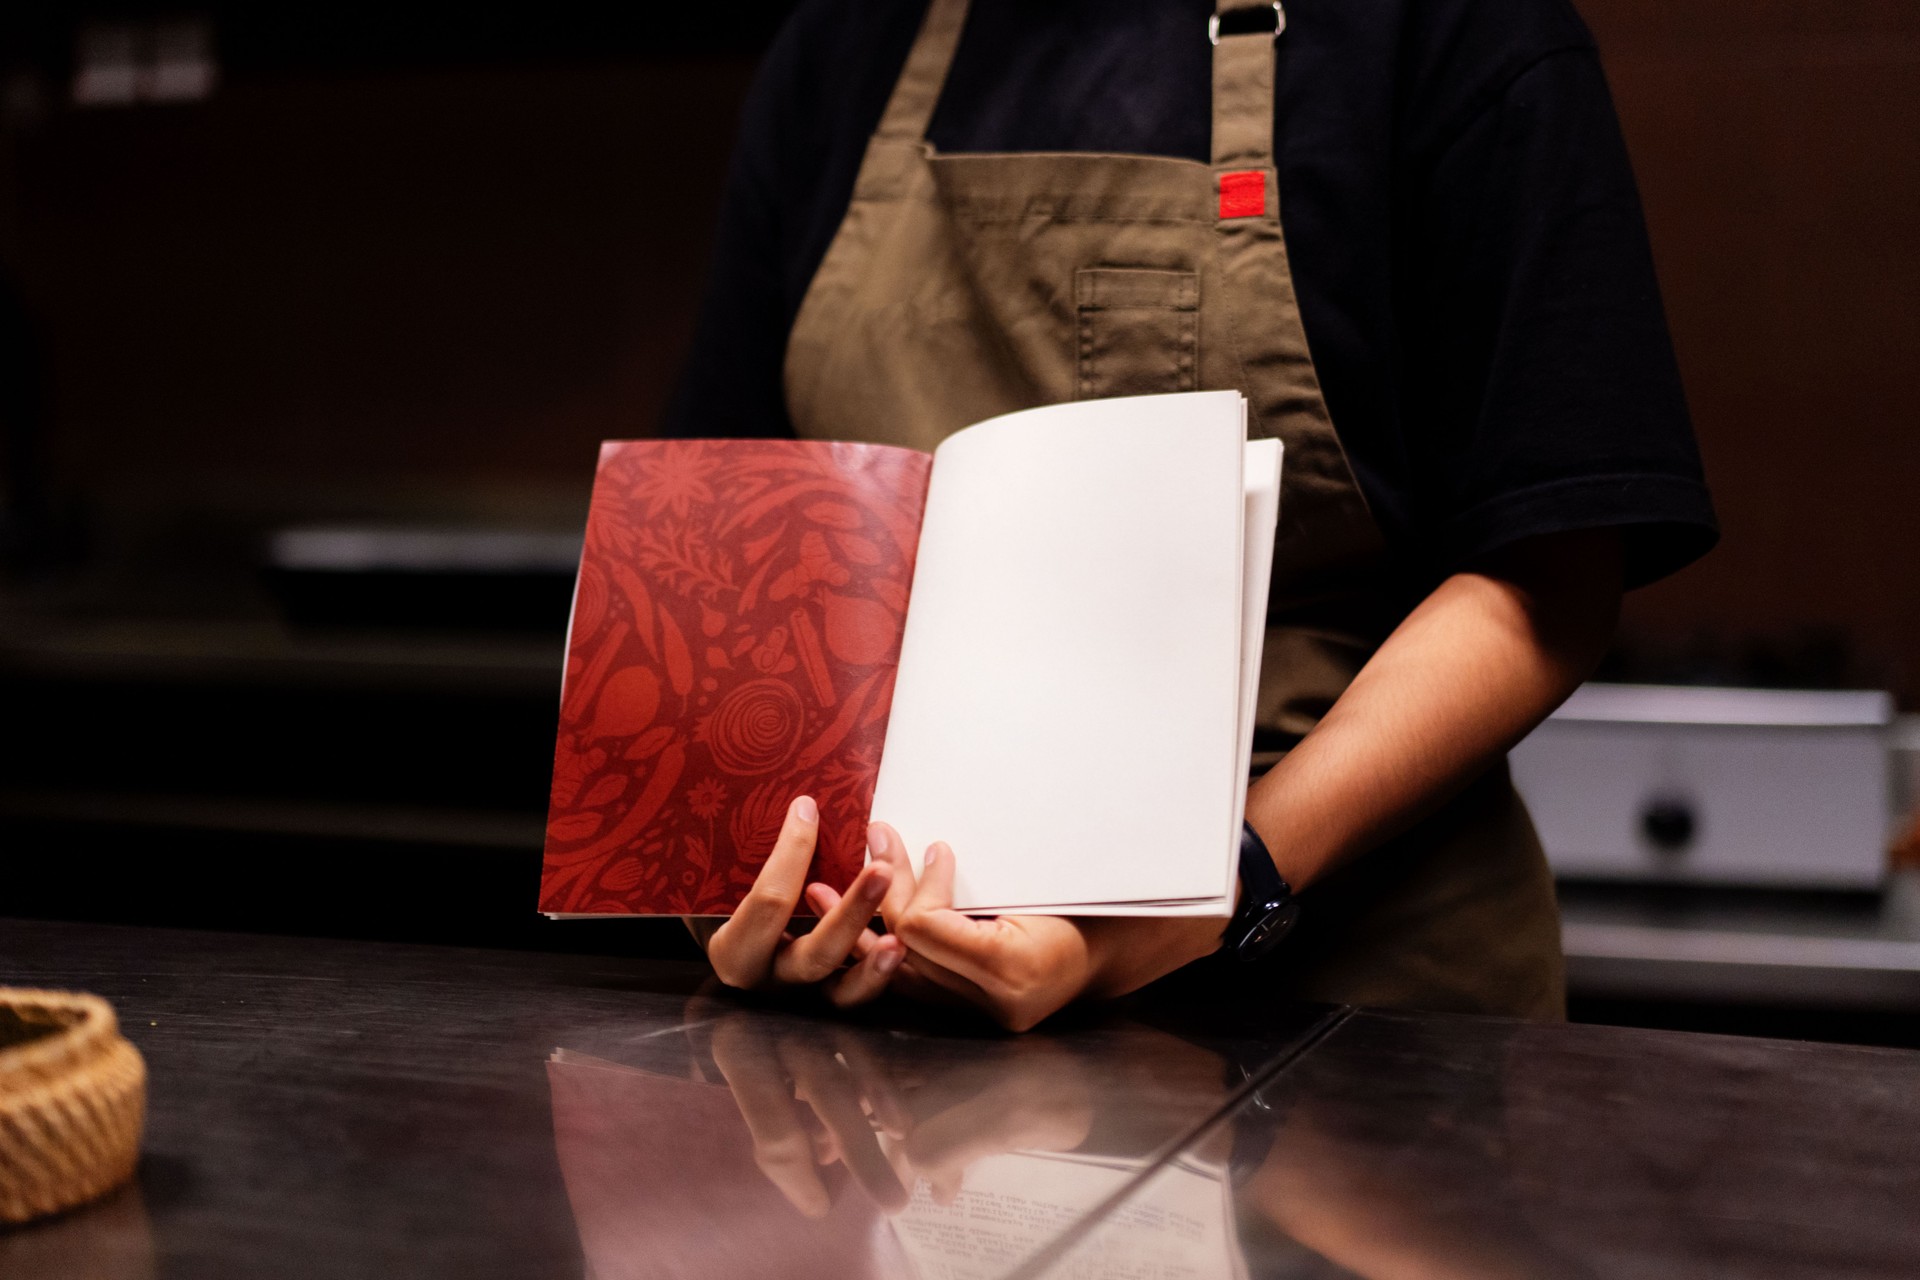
[(1039, 644)]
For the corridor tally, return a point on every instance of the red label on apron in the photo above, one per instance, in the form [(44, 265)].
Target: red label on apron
[(1244, 194)]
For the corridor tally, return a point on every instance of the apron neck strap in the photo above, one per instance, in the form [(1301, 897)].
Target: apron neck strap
[(918, 89), (1243, 34)]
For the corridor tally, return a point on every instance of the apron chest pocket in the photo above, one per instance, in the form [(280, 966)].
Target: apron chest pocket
[(1139, 331)]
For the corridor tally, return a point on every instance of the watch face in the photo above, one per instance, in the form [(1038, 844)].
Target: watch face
[(1269, 929)]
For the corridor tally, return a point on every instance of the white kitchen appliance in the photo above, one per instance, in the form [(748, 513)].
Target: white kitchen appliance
[(1712, 786)]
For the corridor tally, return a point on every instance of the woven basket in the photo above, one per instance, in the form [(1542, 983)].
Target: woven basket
[(73, 1093)]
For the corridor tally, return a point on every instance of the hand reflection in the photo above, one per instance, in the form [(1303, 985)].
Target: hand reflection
[(969, 1155), (822, 1117), (824, 1094), (1031, 1095)]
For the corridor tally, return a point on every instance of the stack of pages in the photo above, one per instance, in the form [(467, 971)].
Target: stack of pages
[(1039, 644)]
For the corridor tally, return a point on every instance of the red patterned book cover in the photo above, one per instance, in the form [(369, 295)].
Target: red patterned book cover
[(735, 631)]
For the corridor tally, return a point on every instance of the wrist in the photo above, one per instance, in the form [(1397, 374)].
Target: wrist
[(1126, 955)]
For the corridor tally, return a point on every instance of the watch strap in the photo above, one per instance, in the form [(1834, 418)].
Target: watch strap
[(1268, 908)]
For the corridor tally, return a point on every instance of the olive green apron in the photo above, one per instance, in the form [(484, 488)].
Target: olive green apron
[(963, 286)]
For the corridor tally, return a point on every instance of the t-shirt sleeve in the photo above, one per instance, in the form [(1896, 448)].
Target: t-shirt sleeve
[(1540, 382)]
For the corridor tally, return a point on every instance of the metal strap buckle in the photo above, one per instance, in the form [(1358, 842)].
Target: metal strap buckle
[(1245, 22)]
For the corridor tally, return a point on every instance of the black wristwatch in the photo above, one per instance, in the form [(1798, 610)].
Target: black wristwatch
[(1268, 910)]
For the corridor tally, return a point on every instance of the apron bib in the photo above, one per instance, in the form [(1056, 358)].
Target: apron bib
[(959, 287)]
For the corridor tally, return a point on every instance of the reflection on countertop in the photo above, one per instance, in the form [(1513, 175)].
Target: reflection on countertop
[(324, 1108), (752, 1145), (1386, 1146), (1404, 1145)]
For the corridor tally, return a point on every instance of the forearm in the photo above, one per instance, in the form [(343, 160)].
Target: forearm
[(1470, 671), (1479, 663)]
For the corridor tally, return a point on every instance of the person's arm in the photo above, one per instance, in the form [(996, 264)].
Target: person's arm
[(1478, 664), (1469, 673)]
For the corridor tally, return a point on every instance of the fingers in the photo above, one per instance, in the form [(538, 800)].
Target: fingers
[(886, 848), (1019, 969), (817, 956), (932, 928), (875, 1081), (921, 979), (868, 979), (830, 1091), (741, 950), (875, 957), (776, 890), (822, 897), (782, 1148), (934, 892)]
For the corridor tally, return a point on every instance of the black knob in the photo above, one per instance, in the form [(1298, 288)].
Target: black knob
[(1668, 823)]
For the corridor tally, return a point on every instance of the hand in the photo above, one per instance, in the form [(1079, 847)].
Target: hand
[(753, 948), (1021, 969), (819, 1094), (806, 1100), (1016, 1095)]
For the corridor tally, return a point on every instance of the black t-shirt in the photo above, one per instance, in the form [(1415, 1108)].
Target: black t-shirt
[(1463, 225)]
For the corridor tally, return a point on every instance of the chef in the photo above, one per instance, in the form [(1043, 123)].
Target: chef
[(1407, 232)]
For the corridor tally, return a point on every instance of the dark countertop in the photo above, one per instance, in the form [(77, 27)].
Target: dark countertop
[(326, 1108)]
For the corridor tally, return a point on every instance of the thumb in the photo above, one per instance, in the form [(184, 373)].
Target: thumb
[(935, 890), (885, 845)]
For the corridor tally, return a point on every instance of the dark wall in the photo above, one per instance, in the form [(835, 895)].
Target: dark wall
[(398, 288), (382, 291), (1778, 148)]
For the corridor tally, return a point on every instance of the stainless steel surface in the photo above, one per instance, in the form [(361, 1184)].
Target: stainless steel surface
[(343, 1109), (1713, 786), (1852, 953), (1728, 707), (1905, 738)]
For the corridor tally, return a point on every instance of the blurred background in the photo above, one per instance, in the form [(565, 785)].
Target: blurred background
[(312, 317)]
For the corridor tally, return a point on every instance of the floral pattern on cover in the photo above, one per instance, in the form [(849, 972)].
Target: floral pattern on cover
[(736, 627)]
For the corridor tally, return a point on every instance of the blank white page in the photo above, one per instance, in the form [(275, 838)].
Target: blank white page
[(1262, 479), (1068, 703)]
